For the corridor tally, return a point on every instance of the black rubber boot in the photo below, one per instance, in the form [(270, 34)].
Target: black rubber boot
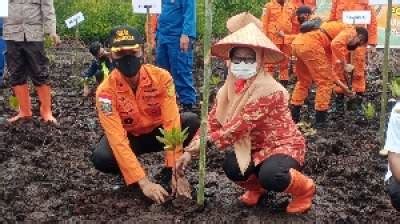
[(187, 108), (339, 104), (321, 119), (295, 110), (358, 101), (391, 103), (284, 83)]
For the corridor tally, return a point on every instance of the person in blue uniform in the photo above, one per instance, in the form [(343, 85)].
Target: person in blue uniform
[(2, 52), (176, 32)]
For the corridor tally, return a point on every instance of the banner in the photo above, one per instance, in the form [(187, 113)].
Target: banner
[(3, 8), (324, 7)]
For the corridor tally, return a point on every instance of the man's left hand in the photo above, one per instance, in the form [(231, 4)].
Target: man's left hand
[(180, 186), (55, 39), (184, 43)]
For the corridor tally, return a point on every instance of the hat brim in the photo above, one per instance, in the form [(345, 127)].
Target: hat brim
[(249, 36), (135, 47)]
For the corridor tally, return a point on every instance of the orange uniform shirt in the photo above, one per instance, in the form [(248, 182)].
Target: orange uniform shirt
[(122, 111), (278, 18)]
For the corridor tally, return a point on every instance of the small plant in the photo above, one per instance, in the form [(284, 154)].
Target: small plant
[(173, 138), (215, 81), (369, 111), (13, 102), (173, 141), (395, 87)]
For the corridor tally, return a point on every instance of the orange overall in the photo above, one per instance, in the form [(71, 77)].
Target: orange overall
[(278, 18), (359, 55), (122, 111), (314, 56)]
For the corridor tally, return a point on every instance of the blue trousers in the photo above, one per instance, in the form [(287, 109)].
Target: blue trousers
[(180, 64), (2, 52)]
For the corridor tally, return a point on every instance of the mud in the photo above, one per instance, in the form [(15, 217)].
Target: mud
[(46, 174)]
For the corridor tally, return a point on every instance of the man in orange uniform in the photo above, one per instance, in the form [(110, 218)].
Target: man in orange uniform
[(298, 3), (313, 52), (133, 102), (359, 55), (277, 21)]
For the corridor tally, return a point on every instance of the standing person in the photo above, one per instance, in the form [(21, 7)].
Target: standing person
[(392, 144), (24, 31), (251, 123), (100, 67), (358, 60), (314, 51), (133, 102), (2, 52), (277, 20), (176, 32)]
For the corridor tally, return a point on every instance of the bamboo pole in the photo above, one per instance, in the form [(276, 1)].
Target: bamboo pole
[(204, 106), (384, 96)]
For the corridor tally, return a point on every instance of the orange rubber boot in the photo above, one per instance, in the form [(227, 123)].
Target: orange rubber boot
[(302, 189), (24, 100), (253, 193), (44, 93)]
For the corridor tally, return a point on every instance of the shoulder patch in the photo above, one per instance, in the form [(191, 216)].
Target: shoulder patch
[(105, 104), (171, 89)]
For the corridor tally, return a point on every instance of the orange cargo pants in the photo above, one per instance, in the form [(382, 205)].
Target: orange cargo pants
[(283, 66)]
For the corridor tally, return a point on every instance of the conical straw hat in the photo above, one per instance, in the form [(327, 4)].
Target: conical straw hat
[(248, 36), (240, 20)]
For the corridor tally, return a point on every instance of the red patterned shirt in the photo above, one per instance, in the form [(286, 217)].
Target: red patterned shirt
[(269, 122)]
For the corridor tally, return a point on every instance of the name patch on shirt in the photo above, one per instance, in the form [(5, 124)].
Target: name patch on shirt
[(105, 104)]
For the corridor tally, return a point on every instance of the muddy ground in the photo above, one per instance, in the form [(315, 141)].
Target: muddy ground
[(46, 174)]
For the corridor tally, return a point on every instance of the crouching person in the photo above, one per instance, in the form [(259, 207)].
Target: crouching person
[(392, 144), (252, 123), (133, 102), (99, 68)]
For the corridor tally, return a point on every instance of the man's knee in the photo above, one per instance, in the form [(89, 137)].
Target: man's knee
[(103, 158), (393, 190), (232, 170), (274, 172), (191, 121)]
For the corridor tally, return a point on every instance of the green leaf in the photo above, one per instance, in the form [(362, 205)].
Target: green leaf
[(369, 111), (395, 87), (13, 102)]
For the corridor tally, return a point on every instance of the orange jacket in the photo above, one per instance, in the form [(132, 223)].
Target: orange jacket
[(122, 112), (340, 35), (311, 3), (338, 6), (278, 18)]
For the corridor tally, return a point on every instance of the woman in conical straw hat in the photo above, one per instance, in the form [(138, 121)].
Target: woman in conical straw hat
[(252, 124)]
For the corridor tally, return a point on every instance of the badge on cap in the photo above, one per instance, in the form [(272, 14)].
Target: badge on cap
[(105, 104), (123, 35)]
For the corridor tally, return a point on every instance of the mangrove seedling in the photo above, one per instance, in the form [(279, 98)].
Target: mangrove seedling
[(395, 87), (369, 111), (173, 142)]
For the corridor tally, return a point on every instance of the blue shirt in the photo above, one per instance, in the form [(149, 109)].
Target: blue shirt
[(178, 17)]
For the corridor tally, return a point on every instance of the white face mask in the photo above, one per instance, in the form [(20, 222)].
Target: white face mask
[(243, 70)]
